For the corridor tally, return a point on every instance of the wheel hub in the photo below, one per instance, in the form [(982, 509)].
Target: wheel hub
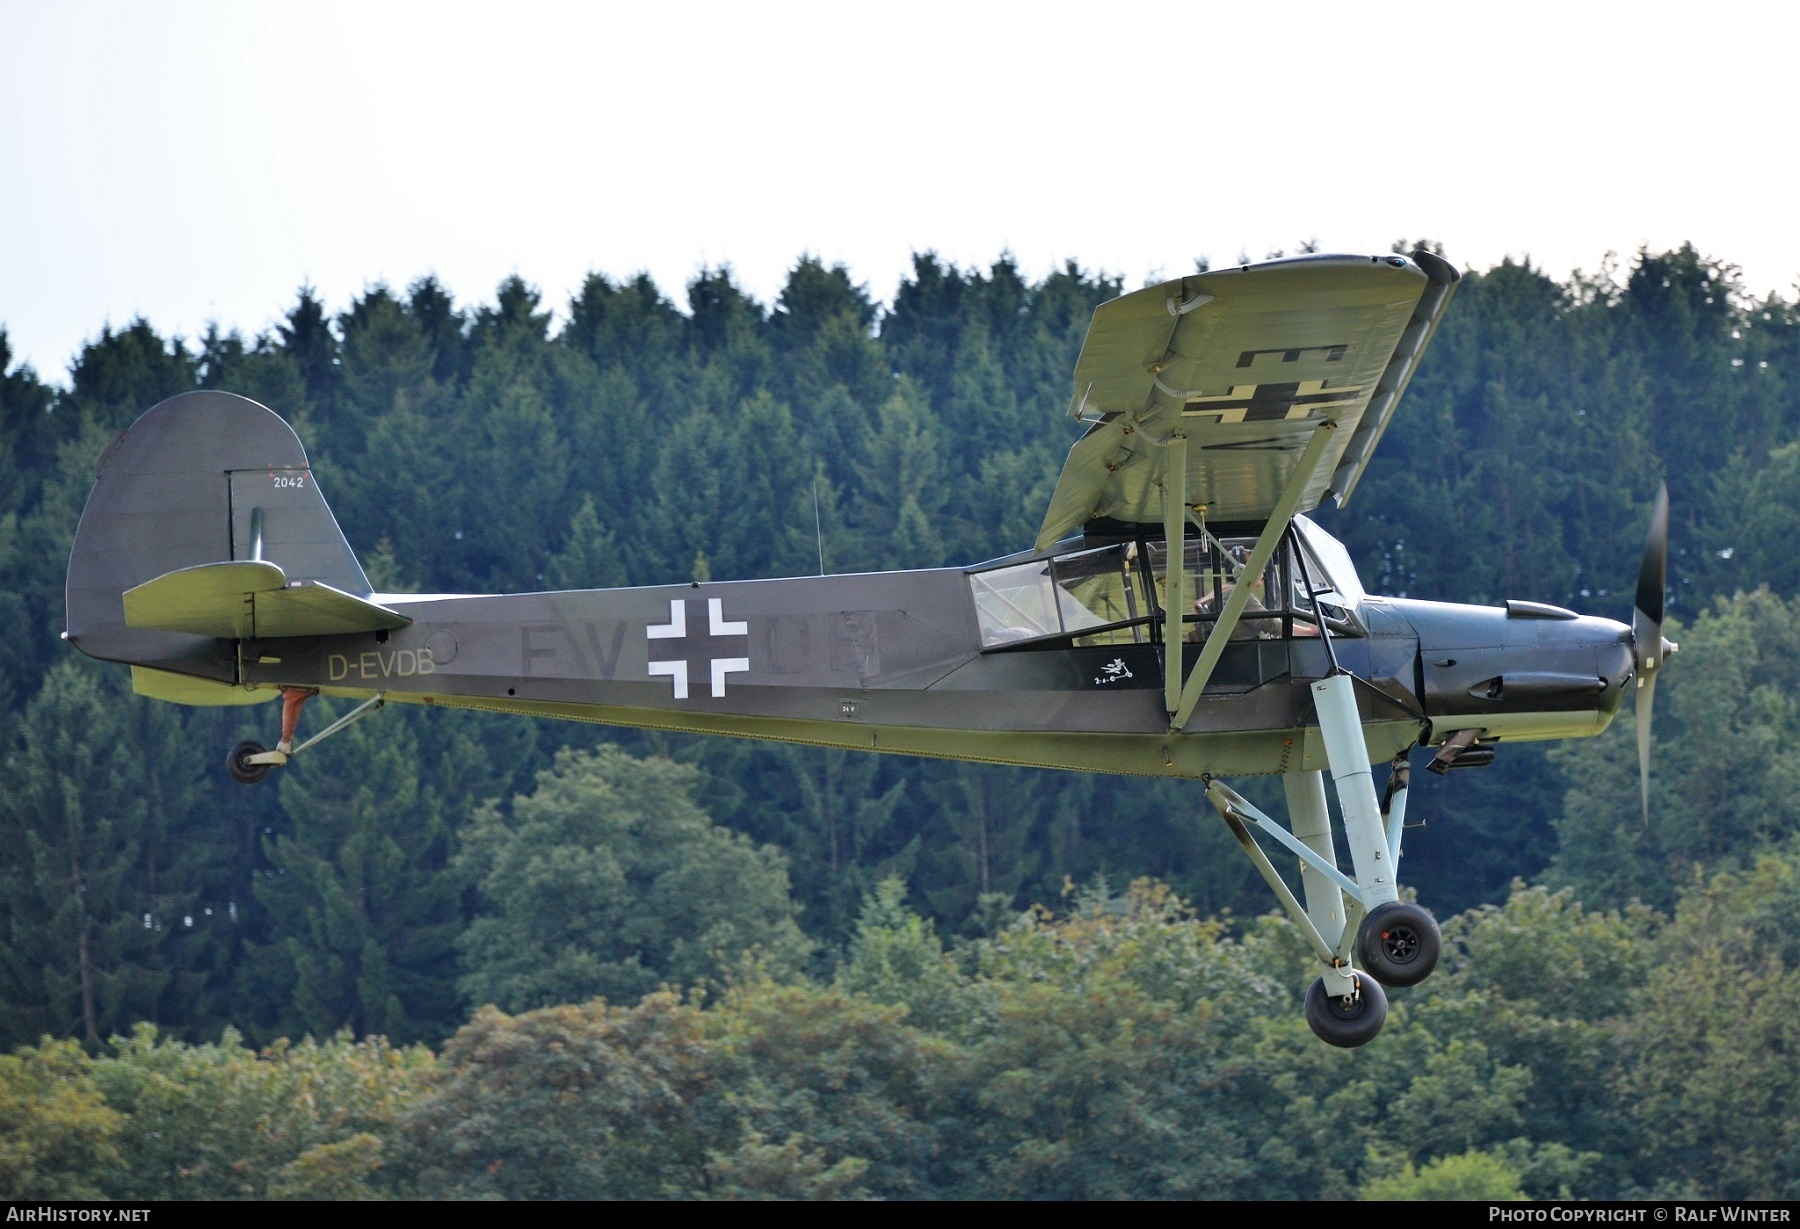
[(1401, 943)]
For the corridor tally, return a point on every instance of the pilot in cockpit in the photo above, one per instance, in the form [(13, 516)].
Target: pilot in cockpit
[(1208, 605)]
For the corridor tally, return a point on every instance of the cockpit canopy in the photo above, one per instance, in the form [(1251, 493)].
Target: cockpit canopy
[(1114, 594)]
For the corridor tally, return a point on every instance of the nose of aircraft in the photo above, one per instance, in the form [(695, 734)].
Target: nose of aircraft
[(1534, 671), (1614, 658), (1520, 671)]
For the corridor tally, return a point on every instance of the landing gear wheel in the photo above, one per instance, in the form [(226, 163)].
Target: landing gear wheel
[(1399, 944), (1347, 1022), (239, 766)]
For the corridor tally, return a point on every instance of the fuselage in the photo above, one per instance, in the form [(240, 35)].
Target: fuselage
[(932, 662), (207, 559)]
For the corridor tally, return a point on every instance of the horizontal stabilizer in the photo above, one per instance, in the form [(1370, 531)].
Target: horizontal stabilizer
[(251, 599), (309, 608)]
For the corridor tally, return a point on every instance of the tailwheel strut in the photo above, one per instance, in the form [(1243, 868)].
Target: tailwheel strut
[(250, 761), (293, 699)]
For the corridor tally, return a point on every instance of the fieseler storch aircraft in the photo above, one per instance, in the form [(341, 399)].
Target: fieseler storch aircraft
[(1178, 614)]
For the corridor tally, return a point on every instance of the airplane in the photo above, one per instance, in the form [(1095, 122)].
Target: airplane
[(1178, 615)]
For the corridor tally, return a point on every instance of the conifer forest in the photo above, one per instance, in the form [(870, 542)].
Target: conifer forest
[(452, 954)]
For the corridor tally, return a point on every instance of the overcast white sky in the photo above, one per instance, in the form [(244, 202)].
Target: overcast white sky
[(199, 161)]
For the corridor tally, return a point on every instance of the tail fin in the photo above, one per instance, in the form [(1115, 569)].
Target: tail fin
[(204, 478)]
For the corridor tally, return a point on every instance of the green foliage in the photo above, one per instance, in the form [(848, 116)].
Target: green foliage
[(1757, 521), (843, 1083), (1708, 1075), (1727, 762), (363, 912), (563, 1103), (1123, 1049), (1470, 1176), (16, 673), (1095, 1048), (1541, 984), (590, 556), (897, 958), (221, 1121), (1545, 949), (57, 1133), (779, 1092), (609, 880), (99, 893)]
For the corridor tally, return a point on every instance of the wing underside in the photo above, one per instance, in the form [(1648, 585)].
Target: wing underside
[(1245, 365)]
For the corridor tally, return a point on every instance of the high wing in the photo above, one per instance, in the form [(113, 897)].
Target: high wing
[(1241, 367)]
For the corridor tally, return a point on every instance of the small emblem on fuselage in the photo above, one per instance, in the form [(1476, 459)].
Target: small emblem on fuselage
[(1114, 671)]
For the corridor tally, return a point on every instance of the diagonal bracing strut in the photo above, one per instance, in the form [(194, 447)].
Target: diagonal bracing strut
[(1182, 707), (1175, 575), (278, 757)]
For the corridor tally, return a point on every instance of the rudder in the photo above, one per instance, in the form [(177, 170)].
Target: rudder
[(201, 478)]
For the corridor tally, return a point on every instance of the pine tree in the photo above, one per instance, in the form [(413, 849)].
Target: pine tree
[(99, 892), (443, 327), (589, 558), (362, 910), (124, 373), (307, 338), (901, 487)]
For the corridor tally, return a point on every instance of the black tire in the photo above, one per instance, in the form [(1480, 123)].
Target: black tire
[(1347, 1024), (1399, 943), (239, 766)]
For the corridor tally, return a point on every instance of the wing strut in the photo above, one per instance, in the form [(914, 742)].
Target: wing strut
[(1175, 583), (1279, 517)]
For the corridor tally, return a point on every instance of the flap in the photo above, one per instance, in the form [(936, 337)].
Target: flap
[(251, 599)]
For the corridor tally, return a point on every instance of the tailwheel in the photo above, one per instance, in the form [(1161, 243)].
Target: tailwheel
[(1399, 943), (249, 762), (1347, 1020), (238, 763)]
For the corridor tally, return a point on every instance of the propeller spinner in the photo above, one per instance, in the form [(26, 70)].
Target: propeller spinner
[(1649, 648)]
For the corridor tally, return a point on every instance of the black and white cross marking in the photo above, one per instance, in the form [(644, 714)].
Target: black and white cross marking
[(717, 628), (1271, 402), (1291, 354)]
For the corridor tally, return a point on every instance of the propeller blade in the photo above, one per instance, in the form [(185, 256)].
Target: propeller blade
[(1653, 575), (1646, 701), (1649, 649)]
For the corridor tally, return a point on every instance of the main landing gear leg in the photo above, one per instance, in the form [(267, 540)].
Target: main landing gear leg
[(250, 762), (1344, 1007), (1398, 942), (1395, 942), (1310, 819)]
